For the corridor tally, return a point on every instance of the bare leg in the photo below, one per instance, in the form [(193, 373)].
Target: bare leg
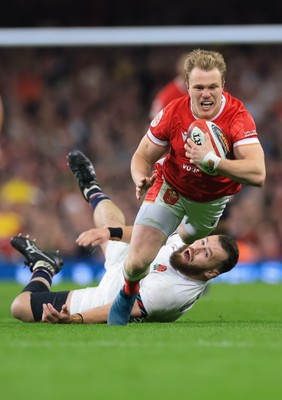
[(106, 213), (144, 246)]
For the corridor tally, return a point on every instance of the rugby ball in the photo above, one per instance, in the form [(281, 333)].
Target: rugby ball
[(197, 131)]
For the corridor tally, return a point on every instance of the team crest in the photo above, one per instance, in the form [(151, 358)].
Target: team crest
[(160, 267), (170, 197)]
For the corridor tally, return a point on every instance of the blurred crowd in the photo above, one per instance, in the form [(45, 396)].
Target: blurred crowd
[(98, 100)]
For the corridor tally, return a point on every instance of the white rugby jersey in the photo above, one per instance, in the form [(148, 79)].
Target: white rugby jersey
[(165, 294)]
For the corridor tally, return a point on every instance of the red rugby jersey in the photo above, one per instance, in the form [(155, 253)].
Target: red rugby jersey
[(171, 125)]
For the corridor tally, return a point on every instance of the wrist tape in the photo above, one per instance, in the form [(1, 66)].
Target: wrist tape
[(115, 233), (211, 160)]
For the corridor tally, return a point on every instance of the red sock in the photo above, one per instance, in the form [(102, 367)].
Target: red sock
[(131, 287)]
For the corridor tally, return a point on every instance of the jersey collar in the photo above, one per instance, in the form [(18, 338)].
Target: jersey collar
[(223, 103)]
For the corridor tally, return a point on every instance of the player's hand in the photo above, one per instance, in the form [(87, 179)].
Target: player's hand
[(93, 237), (197, 153), (144, 184), (51, 315)]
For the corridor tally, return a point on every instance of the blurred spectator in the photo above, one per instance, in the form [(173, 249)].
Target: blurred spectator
[(172, 90)]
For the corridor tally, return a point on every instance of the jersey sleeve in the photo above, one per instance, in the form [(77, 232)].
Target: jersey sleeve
[(159, 130), (244, 129)]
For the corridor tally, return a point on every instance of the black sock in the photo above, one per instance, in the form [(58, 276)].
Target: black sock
[(38, 286), (35, 287)]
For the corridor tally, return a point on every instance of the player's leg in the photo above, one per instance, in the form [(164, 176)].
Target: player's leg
[(141, 253), (105, 212), (27, 306), (201, 218), (153, 225)]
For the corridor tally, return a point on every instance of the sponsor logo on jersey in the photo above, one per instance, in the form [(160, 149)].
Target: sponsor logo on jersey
[(171, 197), (250, 133), (191, 168)]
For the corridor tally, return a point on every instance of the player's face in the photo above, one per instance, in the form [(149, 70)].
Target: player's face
[(205, 89), (203, 255)]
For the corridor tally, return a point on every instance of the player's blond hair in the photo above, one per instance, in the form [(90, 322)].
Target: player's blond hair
[(205, 60)]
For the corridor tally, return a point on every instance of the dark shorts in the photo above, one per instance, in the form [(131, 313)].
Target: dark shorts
[(57, 299)]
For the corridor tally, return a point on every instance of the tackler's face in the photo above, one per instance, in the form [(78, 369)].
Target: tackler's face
[(200, 257), (205, 89)]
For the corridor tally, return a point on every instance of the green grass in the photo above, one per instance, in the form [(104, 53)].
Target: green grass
[(229, 346)]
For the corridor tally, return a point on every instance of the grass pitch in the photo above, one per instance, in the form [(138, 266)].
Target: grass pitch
[(229, 346)]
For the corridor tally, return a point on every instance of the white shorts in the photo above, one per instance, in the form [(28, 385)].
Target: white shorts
[(110, 285), (198, 218)]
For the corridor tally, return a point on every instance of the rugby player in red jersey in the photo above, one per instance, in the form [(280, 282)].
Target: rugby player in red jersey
[(180, 193)]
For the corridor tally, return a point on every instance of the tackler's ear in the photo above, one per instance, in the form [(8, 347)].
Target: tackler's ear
[(211, 274)]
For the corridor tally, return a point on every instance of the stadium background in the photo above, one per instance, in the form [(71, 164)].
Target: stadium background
[(97, 99)]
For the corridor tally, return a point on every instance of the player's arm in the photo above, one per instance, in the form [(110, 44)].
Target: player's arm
[(142, 163), (97, 236), (96, 315), (248, 166), (100, 314)]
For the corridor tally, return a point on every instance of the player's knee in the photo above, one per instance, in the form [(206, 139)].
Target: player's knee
[(20, 309), (194, 234), (135, 265)]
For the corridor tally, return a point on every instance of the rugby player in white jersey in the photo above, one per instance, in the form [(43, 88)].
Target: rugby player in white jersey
[(177, 277)]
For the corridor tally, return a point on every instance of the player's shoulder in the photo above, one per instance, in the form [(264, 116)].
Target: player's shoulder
[(181, 101), (237, 112), (177, 108), (233, 103)]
